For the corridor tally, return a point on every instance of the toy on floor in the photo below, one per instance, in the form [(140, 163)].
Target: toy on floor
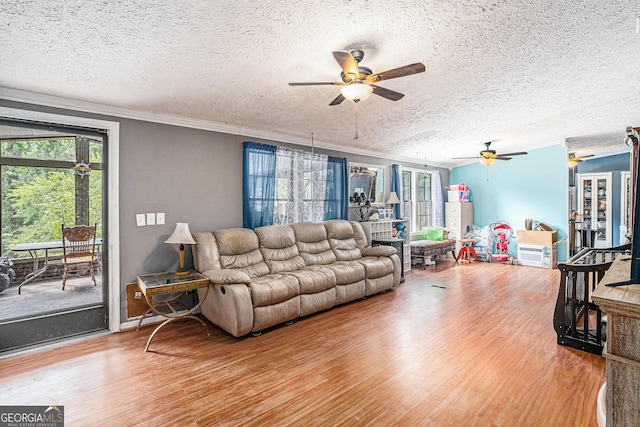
[(501, 232)]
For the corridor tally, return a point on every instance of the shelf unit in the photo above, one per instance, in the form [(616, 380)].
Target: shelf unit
[(378, 230), (594, 203)]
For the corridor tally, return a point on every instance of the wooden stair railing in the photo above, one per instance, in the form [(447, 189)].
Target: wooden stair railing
[(575, 310)]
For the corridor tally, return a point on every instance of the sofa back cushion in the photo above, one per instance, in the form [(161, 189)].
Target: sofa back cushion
[(239, 248), (313, 244), (342, 239), (359, 235), (278, 247), (205, 252)]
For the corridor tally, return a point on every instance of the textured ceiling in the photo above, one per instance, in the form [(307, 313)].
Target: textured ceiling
[(527, 74)]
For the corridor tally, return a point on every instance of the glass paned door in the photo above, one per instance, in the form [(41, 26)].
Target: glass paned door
[(601, 217), (594, 200), (52, 176), (587, 205)]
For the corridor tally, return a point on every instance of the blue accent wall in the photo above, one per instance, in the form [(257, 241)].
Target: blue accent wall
[(532, 186), (619, 162)]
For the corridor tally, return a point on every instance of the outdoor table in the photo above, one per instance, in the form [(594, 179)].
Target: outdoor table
[(33, 249)]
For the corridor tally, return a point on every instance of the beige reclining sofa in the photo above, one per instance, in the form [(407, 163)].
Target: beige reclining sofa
[(278, 273)]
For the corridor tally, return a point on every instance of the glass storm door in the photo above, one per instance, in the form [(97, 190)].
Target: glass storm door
[(50, 175)]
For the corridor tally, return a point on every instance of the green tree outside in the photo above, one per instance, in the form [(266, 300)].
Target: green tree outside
[(37, 200)]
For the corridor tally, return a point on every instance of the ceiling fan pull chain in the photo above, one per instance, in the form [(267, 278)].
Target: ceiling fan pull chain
[(355, 107)]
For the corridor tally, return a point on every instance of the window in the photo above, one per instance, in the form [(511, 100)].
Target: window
[(301, 179), (416, 198), (285, 186), (423, 200), (406, 196), (43, 186)]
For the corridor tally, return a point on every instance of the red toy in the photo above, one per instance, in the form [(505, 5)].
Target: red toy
[(501, 232)]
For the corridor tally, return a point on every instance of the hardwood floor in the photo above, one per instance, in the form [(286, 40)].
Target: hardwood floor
[(468, 345)]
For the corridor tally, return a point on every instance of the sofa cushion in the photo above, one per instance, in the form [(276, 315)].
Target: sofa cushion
[(359, 235), (240, 248), (273, 288), (278, 247), (381, 250), (347, 272), (205, 252), (376, 266), (315, 278), (342, 240), (313, 244)]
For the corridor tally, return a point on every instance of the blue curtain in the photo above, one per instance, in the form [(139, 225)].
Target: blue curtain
[(258, 184), (396, 185), (336, 204)]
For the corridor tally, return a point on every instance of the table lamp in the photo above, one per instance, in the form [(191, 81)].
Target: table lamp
[(181, 235), (393, 200)]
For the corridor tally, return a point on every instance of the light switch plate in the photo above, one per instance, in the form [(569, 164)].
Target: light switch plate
[(160, 218), (151, 219), (140, 222)]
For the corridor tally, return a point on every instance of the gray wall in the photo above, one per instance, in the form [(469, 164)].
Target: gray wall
[(191, 175)]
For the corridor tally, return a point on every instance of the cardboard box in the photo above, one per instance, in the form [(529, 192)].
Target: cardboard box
[(458, 196), (538, 248), (533, 237), (459, 187)]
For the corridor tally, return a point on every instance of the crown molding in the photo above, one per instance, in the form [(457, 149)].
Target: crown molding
[(168, 119)]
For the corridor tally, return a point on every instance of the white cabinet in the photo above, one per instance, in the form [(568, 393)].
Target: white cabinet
[(458, 218), (594, 204)]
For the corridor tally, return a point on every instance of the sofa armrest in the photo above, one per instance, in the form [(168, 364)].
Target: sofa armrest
[(382, 250), (223, 276)]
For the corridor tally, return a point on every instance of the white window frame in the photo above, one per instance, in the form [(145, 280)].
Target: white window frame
[(414, 196)]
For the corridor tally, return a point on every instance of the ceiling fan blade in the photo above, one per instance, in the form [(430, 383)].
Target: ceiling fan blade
[(347, 62), (407, 70), (584, 157), (519, 153), (314, 83), (338, 100), (502, 158), (386, 93)]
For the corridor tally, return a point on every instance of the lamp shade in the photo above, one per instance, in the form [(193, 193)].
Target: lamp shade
[(181, 235), (393, 198), (356, 91)]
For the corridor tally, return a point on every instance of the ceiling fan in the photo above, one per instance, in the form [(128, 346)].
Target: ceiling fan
[(489, 156), (358, 81), (573, 159)]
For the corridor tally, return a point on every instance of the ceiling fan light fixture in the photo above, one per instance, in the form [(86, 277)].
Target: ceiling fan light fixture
[(356, 92), (487, 161)]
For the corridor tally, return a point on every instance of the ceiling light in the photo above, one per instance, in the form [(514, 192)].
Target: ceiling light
[(487, 161), (572, 162), (356, 92)]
